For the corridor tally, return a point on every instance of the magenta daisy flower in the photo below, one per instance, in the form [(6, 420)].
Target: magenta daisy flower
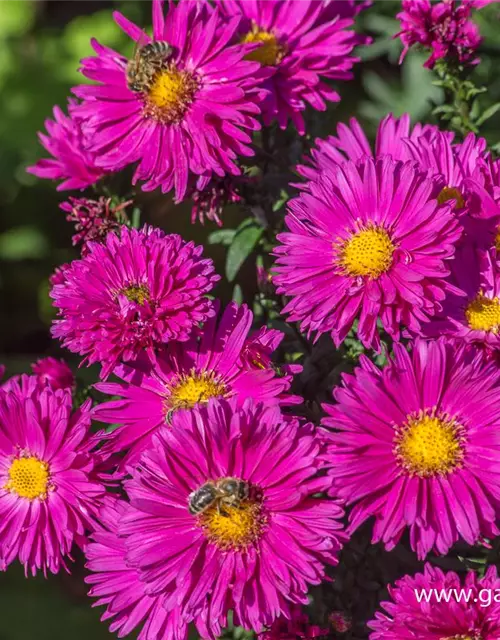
[(220, 363), (194, 111), (118, 587), (416, 446), (55, 373), (472, 611), (256, 554), (306, 43), (71, 162), (48, 495), (368, 241), (444, 27), (129, 295)]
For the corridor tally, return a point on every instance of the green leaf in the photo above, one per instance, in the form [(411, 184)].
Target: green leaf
[(486, 115), (244, 242), (22, 243), (16, 18), (237, 294), (222, 236)]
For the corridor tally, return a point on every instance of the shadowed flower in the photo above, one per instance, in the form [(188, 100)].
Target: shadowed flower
[(256, 555), (416, 445), (118, 587), (47, 494), (194, 109), (222, 362), (297, 627), (304, 42), (55, 373), (444, 27), (474, 317), (94, 219), (130, 294), (71, 162), (368, 241), (475, 617)]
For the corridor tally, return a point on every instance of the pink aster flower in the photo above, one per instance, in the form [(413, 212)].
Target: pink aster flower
[(94, 219), (444, 27), (118, 587), (305, 43), (256, 557), (224, 361), (297, 627), (474, 616), (415, 445), (55, 373), (368, 241), (71, 162), (194, 113), (134, 292), (48, 495)]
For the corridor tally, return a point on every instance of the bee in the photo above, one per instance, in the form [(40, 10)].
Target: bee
[(147, 61), (229, 492)]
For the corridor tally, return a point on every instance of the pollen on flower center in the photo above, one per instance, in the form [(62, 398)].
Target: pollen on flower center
[(271, 52), (451, 193), (195, 388), (29, 478), (368, 252), (427, 444), (233, 527), (170, 94), (497, 239), (459, 637), (136, 293), (483, 314)]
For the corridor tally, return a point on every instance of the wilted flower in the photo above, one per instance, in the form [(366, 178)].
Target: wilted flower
[(94, 219), (296, 627), (210, 200), (444, 27)]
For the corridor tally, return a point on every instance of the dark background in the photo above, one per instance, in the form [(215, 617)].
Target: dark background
[(40, 46)]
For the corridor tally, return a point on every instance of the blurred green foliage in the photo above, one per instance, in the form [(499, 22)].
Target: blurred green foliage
[(41, 43)]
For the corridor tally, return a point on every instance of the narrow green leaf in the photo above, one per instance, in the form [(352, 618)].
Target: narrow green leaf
[(244, 242), (222, 236), (488, 113)]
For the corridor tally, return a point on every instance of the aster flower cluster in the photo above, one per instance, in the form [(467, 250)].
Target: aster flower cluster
[(205, 484)]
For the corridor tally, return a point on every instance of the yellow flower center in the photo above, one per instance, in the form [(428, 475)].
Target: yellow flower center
[(170, 94), (428, 445), (29, 478), (451, 193), (497, 239), (136, 293), (368, 252), (271, 52), (459, 637), (233, 527), (195, 388), (483, 314)]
